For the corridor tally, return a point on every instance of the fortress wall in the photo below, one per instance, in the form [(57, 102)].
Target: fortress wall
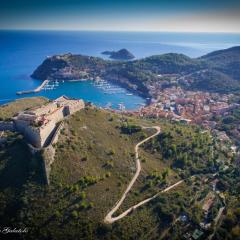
[(45, 109), (45, 132), (66, 111), (33, 149), (36, 136), (58, 115), (57, 133), (7, 126), (49, 153), (20, 125), (48, 158), (75, 107), (40, 135), (31, 134)]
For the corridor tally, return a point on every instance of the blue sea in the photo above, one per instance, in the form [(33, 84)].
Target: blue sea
[(22, 51)]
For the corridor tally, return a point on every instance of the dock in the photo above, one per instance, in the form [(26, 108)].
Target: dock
[(38, 89)]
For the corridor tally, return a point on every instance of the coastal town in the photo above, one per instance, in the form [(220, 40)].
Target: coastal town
[(193, 107), (38, 124), (190, 106), (205, 152), (120, 120)]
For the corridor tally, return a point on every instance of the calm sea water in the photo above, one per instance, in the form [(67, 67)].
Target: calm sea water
[(22, 51)]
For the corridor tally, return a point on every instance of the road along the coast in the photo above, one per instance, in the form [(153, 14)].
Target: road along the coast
[(109, 219)]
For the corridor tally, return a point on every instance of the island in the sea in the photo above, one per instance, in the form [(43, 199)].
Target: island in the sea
[(122, 54)]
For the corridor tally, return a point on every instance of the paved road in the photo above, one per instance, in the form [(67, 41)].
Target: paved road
[(109, 219)]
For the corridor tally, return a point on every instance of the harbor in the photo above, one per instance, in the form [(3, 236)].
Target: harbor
[(36, 90), (109, 88), (100, 92), (102, 84), (51, 85)]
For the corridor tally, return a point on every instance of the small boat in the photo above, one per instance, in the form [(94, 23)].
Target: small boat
[(109, 105), (121, 106)]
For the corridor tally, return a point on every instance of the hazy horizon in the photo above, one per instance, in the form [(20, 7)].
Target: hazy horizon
[(102, 30), (131, 16)]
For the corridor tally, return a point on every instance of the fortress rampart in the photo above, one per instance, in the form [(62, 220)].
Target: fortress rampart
[(7, 126), (39, 124), (41, 127)]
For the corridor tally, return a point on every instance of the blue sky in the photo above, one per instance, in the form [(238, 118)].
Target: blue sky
[(114, 15)]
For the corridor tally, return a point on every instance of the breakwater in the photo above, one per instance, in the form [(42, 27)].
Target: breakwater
[(38, 89)]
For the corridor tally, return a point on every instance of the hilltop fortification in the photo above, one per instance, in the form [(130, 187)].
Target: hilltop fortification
[(38, 125)]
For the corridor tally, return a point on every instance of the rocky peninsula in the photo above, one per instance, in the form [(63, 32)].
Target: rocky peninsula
[(122, 54), (214, 72)]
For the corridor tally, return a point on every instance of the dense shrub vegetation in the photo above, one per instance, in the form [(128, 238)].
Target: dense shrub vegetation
[(93, 165)]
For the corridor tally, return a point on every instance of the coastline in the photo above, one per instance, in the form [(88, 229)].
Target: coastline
[(145, 96), (78, 80), (36, 90), (129, 98)]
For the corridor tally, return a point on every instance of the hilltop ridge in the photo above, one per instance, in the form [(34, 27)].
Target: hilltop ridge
[(93, 165), (217, 71)]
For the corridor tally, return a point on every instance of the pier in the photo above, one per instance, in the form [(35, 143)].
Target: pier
[(38, 89)]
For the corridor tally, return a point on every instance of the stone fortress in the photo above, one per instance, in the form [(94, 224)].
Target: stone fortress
[(40, 124), (41, 127)]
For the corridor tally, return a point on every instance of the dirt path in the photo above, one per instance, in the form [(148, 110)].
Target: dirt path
[(109, 219)]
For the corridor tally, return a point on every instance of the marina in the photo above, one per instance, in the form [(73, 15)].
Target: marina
[(51, 85), (109, 88), (99, 92), (102, 84)]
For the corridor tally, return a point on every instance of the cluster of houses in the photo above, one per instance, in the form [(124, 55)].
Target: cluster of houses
[(196, 106)]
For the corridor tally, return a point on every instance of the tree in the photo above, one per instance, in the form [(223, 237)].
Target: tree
[(165, 173), (74, 214)]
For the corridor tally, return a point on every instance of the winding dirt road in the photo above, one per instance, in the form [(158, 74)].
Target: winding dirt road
[(109, 219)]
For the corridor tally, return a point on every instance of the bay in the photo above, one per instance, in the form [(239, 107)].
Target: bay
[(22, 51)]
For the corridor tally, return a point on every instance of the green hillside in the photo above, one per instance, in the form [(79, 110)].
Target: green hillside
[(226, 61), (170, 63), (214, 81), (94, 163), (221, 69), (8, 111)]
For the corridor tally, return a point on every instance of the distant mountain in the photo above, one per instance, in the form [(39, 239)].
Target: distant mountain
[(224, 56), (218, 71), (226, 61), (122, 54), (214, 81), (107, 52), (171, 63)]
